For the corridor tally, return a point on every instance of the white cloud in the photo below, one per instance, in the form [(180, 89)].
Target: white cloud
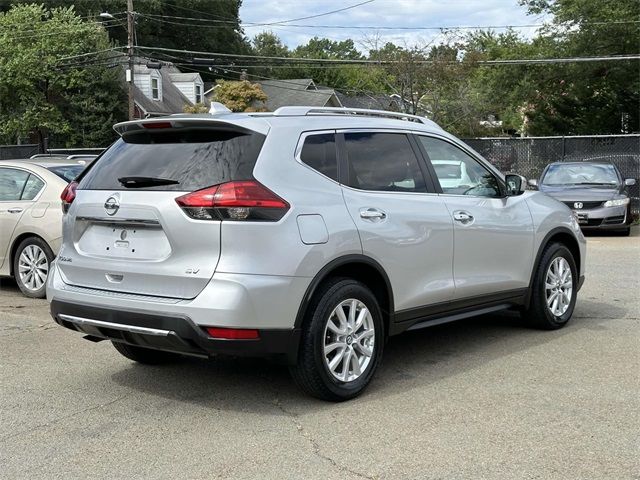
[(389, 13)]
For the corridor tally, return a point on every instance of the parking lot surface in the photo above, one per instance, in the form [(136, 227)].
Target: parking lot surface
[(481, 398)]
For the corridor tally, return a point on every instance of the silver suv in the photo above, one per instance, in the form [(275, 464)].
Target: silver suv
[(310, 235)]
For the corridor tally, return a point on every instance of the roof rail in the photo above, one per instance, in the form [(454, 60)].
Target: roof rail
[(299, 111)]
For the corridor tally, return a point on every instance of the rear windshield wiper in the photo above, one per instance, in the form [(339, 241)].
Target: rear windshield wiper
[(141, 182)]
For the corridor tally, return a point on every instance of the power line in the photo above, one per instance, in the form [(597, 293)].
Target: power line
[(207, 14), (325, 92), (294, 60), (362, 27), (321, 14)]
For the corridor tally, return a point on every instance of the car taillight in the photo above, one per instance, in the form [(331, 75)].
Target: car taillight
[(68, 195), (240, 200)]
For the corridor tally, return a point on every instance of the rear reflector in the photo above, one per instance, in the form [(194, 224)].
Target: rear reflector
[(239, 200), (233, 333), (68, 195)]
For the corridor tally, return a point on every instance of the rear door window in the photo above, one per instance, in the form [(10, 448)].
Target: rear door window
[(191, 159), (319, 152), (32, 188), (12, 182), (383, 162)]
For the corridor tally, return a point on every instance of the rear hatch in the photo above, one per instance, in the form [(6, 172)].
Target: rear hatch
[(125, 232)]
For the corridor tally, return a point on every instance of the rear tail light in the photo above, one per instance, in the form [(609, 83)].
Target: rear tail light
[(233, 333), (68, 195), (242, 200)]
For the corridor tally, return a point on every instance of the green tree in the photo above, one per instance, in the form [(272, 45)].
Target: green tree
[(197, 108), (241, 96), (594, 97), (42, 94), (216, 30)]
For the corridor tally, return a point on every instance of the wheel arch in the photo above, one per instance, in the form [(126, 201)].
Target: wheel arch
[(14, 247), (359, 267), (561, 235)]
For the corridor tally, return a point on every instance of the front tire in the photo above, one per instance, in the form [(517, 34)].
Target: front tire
[(554, 289), (342, 341), (31, 264)]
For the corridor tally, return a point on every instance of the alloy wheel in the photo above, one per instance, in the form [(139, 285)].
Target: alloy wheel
[(349, 339), (33, 267), (558, 286)]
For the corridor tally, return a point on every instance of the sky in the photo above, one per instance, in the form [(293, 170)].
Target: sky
[(380, 13)]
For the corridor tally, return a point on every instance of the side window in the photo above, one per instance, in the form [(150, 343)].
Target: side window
[(319, 152), (458, 173), (12, 182), (383, 162), (32, 188)]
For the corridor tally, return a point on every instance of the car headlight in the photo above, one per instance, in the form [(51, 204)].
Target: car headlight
[(616, 203)]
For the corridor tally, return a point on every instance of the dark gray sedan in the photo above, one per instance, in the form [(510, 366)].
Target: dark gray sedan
[(595, 191)]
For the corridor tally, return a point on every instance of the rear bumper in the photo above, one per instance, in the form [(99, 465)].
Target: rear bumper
[(262, 302), (169, 332)]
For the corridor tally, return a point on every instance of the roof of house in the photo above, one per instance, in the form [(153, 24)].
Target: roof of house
[(184, 77), (373, 101), (297, 92), (173, 101), (294, 83), (208, 87)]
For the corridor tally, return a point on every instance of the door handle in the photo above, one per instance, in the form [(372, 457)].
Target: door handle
[(372, 214), (15, 210), (462, 217)]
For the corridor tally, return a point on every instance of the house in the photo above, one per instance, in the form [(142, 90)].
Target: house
[(165, 90), (392, 103), (302, 91)]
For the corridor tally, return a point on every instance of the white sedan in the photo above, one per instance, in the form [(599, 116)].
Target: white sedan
[(31, 218)]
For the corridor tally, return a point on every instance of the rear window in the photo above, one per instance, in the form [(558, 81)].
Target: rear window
[(193, 159), (67, 172), (319, 152)]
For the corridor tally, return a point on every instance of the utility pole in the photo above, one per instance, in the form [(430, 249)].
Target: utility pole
[(131, 25)]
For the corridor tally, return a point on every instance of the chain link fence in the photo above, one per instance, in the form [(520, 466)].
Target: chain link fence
[(529, 155), (10, 152)]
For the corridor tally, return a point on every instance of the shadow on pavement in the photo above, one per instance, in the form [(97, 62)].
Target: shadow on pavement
[(411, 360)]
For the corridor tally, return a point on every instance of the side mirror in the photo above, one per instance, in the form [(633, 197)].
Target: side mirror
[(533, 183), (515, 184), (629, 182)]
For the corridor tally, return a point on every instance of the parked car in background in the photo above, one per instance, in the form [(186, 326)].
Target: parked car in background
[(80, 158), (31, 218), (307, 234), (595, 191)]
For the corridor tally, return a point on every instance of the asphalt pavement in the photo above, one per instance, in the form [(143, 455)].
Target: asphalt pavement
[(483, 398)]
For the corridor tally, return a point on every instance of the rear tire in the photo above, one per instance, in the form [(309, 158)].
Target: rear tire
[(554, 289), (146, 356), (339, 350), (31, 264)]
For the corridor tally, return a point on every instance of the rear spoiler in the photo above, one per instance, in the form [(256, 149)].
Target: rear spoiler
[(237, 123)]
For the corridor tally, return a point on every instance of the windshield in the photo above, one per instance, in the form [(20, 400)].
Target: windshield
[(67, 172), (575, 174)]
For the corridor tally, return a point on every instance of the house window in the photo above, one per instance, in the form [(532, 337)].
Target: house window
[(155, 89), (198, 93)]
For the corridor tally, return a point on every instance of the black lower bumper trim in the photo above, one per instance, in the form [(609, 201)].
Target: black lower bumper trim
[(185, 336)]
